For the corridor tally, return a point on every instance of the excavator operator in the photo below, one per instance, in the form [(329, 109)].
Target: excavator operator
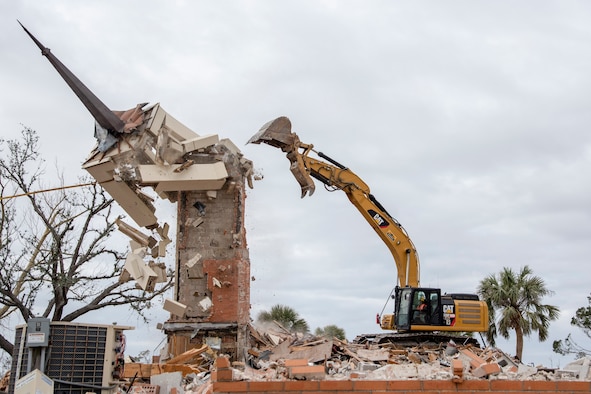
[(421, 310)]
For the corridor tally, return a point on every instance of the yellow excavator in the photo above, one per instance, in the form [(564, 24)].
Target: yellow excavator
[(420, 314)]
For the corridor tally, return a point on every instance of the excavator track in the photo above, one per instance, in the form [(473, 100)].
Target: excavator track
[(411, 339)]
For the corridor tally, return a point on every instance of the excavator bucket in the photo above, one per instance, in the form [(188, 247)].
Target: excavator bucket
[(278, 133)]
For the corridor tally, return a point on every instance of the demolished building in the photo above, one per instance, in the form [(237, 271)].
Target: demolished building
[(146, 147), (206, 177)]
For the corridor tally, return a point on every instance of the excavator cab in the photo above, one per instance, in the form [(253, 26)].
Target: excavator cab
[(425, 309), (417, 306)]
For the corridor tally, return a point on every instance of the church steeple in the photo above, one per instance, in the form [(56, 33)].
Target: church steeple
[(108, 121)]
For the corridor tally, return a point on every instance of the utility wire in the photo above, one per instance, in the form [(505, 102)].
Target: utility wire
[(47, 190)]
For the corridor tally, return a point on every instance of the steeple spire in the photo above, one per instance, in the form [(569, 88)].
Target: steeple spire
[(103, 115)]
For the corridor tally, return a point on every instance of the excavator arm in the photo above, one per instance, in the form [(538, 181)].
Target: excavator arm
[(443, 312), (336, 176)]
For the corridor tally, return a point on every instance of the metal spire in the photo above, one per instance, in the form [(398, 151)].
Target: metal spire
[(103, 115)]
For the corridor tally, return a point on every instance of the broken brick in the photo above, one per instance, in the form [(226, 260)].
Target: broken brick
[(475, 360), (457, 370), (486, 369), (307, 372), (415, 358), (296, 362), (222, 362), (224, 374)]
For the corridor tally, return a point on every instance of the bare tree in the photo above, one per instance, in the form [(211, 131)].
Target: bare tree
[(581, 319), (55, 254)]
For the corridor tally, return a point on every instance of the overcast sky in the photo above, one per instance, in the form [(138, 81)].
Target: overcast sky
[(468, 119)]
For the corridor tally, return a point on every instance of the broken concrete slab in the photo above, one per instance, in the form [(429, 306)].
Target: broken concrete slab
[(193, 260), (133, 265), (168, 381), (157, 119), (194, 222), (579, 368), (168, 150), (526, 370), (148, 279), (138, 209), (197, 177), (160, 249), (175, 307), (374, 354), (160, 270), (133, 233), (313, 353), (211, 194), (201, 142), (101, 170)]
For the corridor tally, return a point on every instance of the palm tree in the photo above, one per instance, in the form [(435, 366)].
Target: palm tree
[(285, 316), (330, 331), (517, 300)]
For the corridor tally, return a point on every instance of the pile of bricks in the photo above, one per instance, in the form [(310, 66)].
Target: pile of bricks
[(300, 364), (317, 358), (301, 377)]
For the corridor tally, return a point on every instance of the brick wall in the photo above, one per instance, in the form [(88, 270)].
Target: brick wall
[(222, 266), (230, 292), (213, 265), (402, 386), (222, 383)]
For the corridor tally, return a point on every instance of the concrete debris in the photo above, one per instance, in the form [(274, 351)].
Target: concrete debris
[(174, 307), (159, 152), (205, 304), (279, 355), (160, 270), (187, 372), (269, 360), (193, 260), (195, 222), (579, 368), (136, 268), (132, 233), (146, 274)]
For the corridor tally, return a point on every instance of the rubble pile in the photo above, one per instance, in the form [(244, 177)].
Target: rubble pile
[(275, 354), (278, 351)]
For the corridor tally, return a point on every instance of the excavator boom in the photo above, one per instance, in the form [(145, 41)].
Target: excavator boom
[(336, 176)]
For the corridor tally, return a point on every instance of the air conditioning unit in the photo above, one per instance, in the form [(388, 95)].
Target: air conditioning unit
[(78, 357)]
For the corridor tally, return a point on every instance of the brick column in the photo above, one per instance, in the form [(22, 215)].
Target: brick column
[(213, 266)]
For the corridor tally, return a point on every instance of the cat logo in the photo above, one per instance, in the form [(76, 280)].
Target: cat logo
[(449, 316), (379, 219)]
